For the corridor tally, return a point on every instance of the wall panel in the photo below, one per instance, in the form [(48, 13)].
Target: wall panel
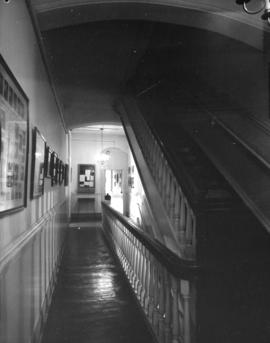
[(27, 278)]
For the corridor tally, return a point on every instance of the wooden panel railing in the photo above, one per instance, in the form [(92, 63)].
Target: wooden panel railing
[(163, 283), (176, 204)]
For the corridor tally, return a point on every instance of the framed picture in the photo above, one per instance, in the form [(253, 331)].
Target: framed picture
[(61, 172), (86, 178), (52, 167), (66, 175), (47, 162), (38, 158), (14, 127)]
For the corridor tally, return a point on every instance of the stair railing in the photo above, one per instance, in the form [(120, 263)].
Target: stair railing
[(163, 283), (176, 204)]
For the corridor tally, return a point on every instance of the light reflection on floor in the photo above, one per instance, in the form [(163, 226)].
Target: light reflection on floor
[(92, 301), (104, 287)]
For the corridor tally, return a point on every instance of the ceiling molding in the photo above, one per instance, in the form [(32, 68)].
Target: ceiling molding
[(228, 21), (227, 9)]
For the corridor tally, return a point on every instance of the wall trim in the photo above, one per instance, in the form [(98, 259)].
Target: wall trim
[(12, 250), (39, 325)]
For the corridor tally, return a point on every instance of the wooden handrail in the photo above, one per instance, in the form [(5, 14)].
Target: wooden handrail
[(164, 284), (180, 268)]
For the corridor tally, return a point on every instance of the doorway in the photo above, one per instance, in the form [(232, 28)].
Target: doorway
[(114, 187)]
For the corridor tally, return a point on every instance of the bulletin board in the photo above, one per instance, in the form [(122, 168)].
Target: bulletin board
[(86, 178)]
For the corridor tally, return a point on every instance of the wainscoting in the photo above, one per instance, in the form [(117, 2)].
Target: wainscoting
[(28, 274)]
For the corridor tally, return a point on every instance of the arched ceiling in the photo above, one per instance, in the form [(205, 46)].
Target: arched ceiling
[(225, 17), (93, 46)]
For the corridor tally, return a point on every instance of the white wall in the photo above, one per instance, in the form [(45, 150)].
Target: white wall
[(30, 239), (85, 148), (137, 204)]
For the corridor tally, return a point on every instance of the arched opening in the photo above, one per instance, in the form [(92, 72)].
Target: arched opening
[(97, 151)]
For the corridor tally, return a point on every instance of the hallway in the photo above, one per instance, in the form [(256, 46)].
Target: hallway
[(164, 106), (92, 300)]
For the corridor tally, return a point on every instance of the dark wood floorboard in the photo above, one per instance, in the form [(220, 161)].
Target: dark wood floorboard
[(92, 301)]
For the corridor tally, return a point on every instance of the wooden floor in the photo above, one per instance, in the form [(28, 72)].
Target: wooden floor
[(93, 301)]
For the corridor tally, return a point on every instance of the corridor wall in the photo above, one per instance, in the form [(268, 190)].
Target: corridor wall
[(31, 239)]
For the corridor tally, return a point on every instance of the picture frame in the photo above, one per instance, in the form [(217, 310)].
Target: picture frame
[(86, 178), (37, 165), (61, 172), (57, 165), (14, 142), (54, 168), (47, 162)]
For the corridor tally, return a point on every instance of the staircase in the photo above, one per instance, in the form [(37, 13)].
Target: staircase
[(210, 218)]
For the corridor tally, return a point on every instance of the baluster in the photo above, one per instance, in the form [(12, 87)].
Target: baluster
[(127, 253), (184, 285), (156, 297), (161, 301), (122, 249), (172, 197), (132, 280), (167, 312), (147, 281), (175, 312), (124, 252), (188, 227), (167, 185), (118, 242), (143, 280), (137, 263), (193, 241), (182, 225), (151, 289), (177, 212), (128, 270), (140, 271), (130, 266)]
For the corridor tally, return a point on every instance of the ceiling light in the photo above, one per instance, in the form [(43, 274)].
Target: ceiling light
[(103, 157)]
